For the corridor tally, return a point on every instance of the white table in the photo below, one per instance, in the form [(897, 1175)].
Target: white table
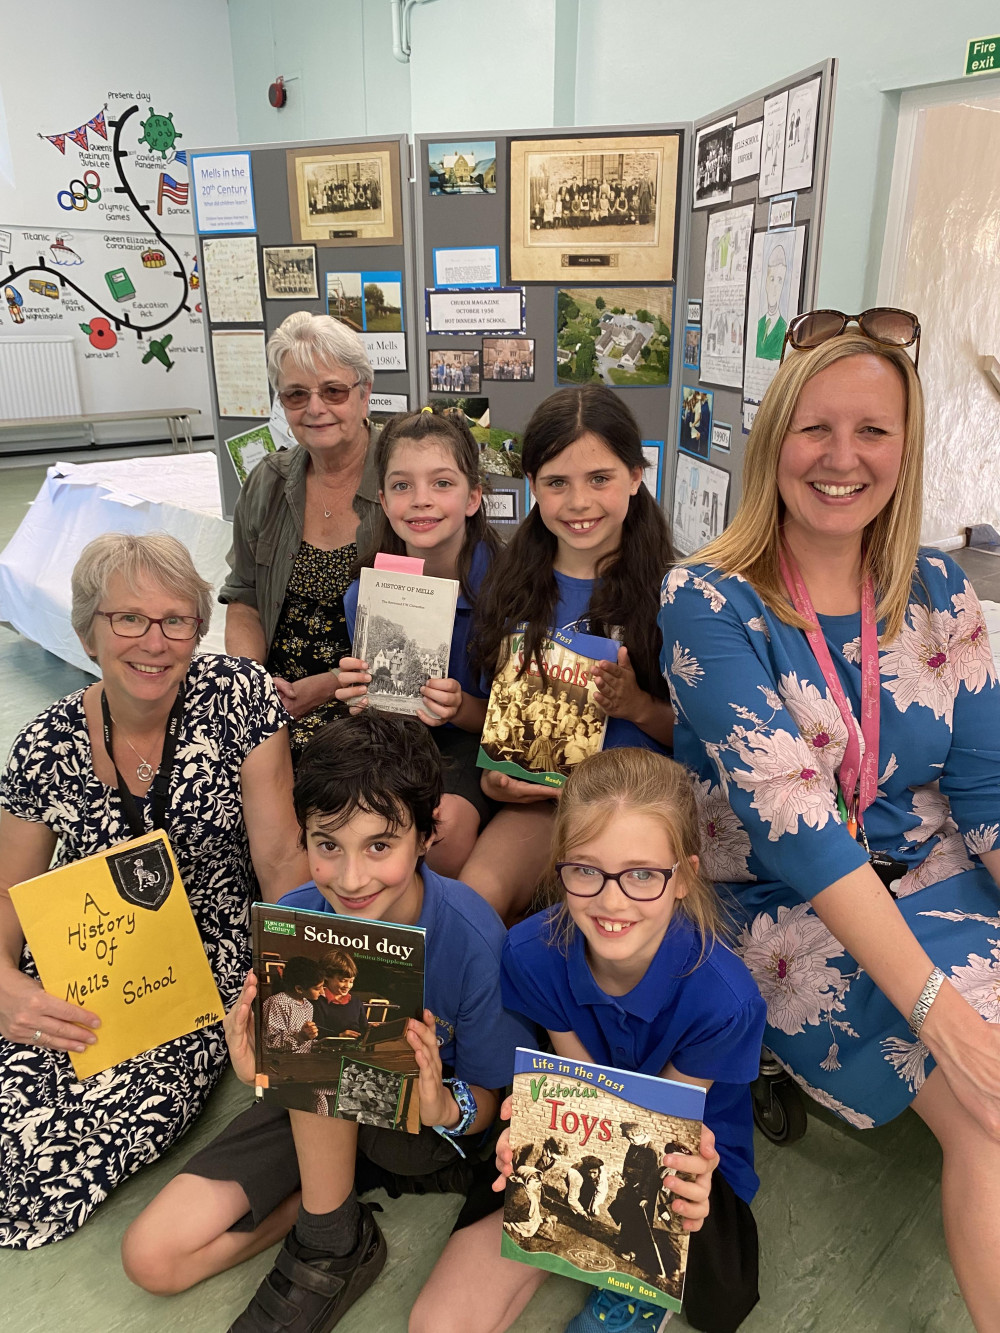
[(178, 494)]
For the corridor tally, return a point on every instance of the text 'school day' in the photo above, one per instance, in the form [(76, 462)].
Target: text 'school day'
[(359, 942)]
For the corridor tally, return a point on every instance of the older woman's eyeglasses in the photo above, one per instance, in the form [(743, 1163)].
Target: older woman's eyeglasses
[(332, 395), (642, 883), (882, 324), (130, 625)]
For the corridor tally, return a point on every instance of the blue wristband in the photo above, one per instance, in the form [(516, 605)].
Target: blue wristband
[(468, 1110)]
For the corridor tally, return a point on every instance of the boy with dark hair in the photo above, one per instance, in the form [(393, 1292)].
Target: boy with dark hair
[(365, 794)]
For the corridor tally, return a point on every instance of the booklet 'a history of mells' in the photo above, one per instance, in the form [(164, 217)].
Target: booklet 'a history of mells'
[(334, 996), (537, 727), (403, 631), (585, 1197), (114, 933)]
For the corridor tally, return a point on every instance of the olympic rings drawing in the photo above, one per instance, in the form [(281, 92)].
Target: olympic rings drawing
[(80, 193)]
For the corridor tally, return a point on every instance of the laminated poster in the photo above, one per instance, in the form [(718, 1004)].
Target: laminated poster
[(701, 495), (241, 373), (248, 449), (775, 286), (114, 933), (232, 287), (727, 254)]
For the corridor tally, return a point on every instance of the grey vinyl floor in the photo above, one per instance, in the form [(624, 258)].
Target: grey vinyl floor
[(849, 1221)]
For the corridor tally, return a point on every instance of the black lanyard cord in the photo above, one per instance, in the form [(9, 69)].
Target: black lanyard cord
[(159, 792)]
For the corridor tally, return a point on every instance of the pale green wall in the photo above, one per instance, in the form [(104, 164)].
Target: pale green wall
[(485, 64)]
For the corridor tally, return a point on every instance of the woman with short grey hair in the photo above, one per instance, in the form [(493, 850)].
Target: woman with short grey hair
[(299, 518), (193, 744)]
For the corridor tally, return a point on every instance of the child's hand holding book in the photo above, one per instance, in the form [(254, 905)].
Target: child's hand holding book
[(689, 1179), (437, 1105), (238, 1027)]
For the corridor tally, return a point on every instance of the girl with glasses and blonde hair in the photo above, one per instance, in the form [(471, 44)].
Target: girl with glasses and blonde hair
[(836, 694), (628, 967)]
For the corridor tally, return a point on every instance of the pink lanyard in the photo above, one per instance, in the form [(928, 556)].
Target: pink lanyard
[(858, 777)]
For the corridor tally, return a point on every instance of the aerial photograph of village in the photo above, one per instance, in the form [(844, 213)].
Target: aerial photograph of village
[(613, 335)]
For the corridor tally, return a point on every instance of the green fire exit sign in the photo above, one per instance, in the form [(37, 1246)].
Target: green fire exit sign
[(983, 56)]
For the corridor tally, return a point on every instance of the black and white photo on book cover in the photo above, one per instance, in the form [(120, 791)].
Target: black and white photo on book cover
[(403, 631)]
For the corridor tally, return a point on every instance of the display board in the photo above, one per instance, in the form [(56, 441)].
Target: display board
[(755, 213), (549, 258), (320, 226)]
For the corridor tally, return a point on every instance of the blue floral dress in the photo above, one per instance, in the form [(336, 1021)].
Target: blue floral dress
[(759, 726), (65, 1144)]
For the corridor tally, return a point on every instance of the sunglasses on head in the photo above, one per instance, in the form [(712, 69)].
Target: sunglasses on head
[(882, 324)]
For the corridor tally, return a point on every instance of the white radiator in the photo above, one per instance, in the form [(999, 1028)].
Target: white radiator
[(38, 378)]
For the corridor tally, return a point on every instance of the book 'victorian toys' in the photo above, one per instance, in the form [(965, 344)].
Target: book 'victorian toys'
[(586, 1197)]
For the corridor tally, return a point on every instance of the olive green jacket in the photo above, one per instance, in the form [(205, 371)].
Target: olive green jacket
[(267, 530)]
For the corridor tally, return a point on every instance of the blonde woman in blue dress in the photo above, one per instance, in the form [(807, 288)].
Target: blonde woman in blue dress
[(837, 696)]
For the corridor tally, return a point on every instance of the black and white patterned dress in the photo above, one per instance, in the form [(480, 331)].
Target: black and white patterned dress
[(64, 1144)]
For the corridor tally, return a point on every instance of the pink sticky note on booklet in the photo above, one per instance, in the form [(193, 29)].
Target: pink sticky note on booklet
[(399, 564)]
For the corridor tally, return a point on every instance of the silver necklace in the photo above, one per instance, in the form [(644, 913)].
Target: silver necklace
[(145, 770)]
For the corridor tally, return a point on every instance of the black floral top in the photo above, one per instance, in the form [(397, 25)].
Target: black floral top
[(312, 636), (64, 1145)]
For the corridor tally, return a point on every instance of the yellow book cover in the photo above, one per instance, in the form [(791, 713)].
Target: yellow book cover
[(114, 933)]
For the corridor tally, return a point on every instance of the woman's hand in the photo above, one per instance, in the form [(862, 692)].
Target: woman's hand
[(618, 691), (26, 1010), (501, 787), (238, 1027), (353, 679), (304, 696), (691, 1190), (444, 699), (967, 1049), (437, 1105), (505, 1154)]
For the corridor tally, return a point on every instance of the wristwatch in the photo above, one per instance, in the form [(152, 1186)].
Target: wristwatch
[(927, 997)]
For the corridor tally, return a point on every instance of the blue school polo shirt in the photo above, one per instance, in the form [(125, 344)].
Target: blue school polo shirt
[(709, 1022), (571, 615), (477, 1036), (458, 663)]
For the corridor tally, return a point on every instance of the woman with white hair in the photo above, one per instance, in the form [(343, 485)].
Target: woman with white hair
[(300, 517), (195, 745)]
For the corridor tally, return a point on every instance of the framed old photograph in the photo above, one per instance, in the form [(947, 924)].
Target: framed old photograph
[(509, 359), (602, 207), (290, 272), (345, 195), (713, 163), (454, 372)]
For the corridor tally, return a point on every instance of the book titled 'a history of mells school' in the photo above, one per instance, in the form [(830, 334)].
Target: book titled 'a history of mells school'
[(115, 934), (334, 996), (403, 631), (586, 1197)]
